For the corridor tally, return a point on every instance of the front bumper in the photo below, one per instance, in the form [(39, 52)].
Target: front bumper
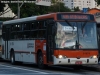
[(72, 61)]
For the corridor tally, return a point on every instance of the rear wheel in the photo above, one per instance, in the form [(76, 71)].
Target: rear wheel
[(12, 58)]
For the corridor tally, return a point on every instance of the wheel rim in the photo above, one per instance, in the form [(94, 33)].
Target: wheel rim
[(12, 59)]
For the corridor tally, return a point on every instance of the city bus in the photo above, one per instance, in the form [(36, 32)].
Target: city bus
[(62, 38), (98, 31), (0, 38)]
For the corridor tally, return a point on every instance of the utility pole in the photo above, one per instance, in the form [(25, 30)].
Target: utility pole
[(19, 9)]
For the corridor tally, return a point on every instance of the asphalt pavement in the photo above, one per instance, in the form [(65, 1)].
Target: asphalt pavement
[(8, 69)]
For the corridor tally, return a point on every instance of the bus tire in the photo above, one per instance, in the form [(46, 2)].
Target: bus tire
[(12, 58), (98, 59), (40, 60)]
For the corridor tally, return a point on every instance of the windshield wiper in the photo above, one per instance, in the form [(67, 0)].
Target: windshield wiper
[(83, 26), (69, 24)]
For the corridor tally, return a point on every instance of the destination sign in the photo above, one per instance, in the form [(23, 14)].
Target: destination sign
[(75, 17)]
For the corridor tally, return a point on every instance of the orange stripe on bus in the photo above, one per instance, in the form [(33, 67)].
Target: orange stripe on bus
[(46, 16), (76, 53)]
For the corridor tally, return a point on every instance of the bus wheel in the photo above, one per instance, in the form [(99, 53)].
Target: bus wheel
[(40, 60), (12, 58)]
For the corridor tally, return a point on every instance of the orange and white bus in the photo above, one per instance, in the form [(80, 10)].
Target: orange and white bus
[(51, 39), (0, 37)]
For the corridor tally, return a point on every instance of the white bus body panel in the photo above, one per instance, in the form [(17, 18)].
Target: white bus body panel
[(24, 50), (4, 56), (64, 61)]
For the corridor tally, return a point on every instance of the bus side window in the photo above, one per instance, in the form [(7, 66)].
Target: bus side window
[(19, 32), (42, 33), (37, 29), (26, 30), (33, 25), (3, 32), (13, 31), (41, 29), (33, 29)]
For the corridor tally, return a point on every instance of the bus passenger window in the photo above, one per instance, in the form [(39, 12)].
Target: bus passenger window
[(35, 25), (35, 33), (32, 26), (26, 26), (41, 34), (12, 27)]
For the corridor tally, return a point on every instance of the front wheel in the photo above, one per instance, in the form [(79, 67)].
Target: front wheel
[(40, 61), (99, 60)]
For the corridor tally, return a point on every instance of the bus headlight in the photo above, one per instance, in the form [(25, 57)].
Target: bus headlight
[(61, 56), (94, 57)]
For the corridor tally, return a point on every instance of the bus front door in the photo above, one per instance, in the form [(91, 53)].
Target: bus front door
[(7, 34), (49, 45)]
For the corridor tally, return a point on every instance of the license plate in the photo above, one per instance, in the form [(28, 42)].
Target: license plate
[(78, 62)]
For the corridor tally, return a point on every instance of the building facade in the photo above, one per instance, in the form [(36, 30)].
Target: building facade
[(79, 3)]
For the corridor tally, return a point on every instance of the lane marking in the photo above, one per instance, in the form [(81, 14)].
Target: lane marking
[(25, 74), (24, 69), (4, 68)]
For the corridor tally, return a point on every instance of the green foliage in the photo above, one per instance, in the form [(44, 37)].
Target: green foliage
[(98, 2), (76, 9), (13, 7), (5, 19), (53, 1), (58, 7), (31, 9), (2, 5)]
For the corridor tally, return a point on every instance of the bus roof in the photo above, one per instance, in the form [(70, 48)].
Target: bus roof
[(50, 15), (24, 19), (19, 20)]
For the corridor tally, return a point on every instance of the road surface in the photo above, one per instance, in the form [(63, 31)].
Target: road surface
[(7, 69)]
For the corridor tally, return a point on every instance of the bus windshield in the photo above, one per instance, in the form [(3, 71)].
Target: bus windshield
[(73, 35)]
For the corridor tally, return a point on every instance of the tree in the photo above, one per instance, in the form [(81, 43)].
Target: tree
[(58, 7), (76, 9), (98, 2), (53, 1), (2, 5), (31, 9)]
